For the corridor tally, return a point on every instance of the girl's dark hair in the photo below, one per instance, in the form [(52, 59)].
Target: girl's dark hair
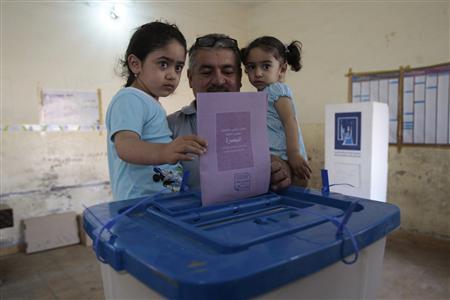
[(147, 38), (292, 54)]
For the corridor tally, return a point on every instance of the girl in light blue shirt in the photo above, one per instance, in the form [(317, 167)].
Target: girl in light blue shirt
[(266, 60), (142, 157)]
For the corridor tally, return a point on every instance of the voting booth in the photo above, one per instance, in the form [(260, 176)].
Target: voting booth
[(294, 244), (356, 149)]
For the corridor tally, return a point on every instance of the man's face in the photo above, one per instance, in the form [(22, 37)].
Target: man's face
[(214, 70)]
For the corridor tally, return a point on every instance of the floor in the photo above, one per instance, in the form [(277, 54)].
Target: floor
[(415, 267), (65, 273)]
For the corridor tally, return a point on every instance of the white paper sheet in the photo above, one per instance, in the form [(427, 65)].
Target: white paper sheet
[(408, 111), (356, 91), (392, 92), (419, 109), (365, 91), (374, 90), (384, 92), (430, 108), (443, 109), (70, 107)]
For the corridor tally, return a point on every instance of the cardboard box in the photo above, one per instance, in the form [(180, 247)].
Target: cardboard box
[(52, 231)]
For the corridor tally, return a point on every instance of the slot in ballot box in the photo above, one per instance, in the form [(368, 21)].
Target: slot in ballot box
[(277, 245)]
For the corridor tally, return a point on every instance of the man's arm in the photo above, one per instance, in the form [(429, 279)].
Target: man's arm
[(280, 173)]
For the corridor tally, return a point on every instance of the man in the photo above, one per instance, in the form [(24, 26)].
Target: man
[(215, 66)]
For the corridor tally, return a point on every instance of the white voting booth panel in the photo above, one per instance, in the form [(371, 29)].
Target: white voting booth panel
[(356, 149)]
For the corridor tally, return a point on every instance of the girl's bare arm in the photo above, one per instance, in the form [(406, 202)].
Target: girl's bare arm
[(132, 149)]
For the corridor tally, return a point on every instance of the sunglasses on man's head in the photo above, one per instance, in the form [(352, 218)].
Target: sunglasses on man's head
[(220, 41)]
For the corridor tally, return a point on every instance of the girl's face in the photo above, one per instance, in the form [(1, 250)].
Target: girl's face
[(263, 68), (159, 73)]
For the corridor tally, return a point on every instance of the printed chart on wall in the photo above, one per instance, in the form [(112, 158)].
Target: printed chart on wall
[(71, 108), (426, 109), (380, 87)]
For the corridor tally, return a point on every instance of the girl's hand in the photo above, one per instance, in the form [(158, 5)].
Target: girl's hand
[(300, 166), (183, 148)]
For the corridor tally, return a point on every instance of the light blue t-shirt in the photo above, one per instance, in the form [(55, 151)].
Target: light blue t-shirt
[(133, 110), (277, 136)]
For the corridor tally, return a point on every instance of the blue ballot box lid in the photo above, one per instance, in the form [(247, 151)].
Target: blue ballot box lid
[(235, 250)]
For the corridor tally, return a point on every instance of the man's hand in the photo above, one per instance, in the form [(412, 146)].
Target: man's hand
[(280, 173), (299, 166)]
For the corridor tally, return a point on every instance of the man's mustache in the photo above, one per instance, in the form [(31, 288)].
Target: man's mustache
[(217, 88)]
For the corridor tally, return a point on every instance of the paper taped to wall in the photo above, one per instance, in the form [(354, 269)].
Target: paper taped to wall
[(70, 107)]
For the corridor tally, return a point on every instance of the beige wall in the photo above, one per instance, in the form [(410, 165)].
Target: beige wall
[(362, 35), (418, 182), (367, 36), (75, 45)]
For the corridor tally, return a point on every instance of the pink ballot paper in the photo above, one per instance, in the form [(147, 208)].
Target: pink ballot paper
[(237, 162)]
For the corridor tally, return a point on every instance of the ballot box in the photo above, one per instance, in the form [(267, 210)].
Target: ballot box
[(299, 243)]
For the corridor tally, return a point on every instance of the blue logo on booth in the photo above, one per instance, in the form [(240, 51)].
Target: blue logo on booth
[(347, 131)]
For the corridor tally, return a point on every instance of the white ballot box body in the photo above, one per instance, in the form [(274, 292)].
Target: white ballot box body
[(338, 281), (356, 149), (296, 243)]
